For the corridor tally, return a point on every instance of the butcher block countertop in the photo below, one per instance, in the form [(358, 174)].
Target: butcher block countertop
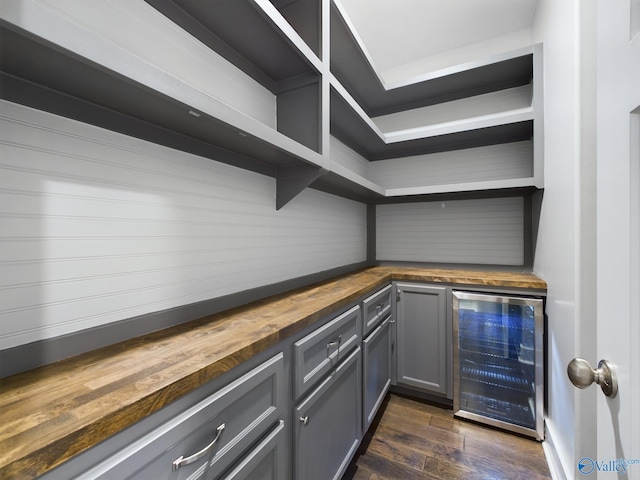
[(50, 414)]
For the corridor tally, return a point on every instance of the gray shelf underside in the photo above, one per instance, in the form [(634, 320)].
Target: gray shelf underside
[(258, 50)]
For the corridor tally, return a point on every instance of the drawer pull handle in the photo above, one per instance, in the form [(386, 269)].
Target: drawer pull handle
[(330, 345), (337, 342), (305, 420), (181, 461)]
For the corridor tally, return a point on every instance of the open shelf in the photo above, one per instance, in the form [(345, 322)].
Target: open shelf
[(367, 138), (55, 65), (269, 55), (493, 167), (268, 49), (245, 82), (405, 129), (305, 18), (481, 111), (351, 67), (341, 181)]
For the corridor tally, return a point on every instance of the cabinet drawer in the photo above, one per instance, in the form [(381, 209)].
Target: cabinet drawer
[(265, 461), (236, 416), (376, 307), (320, 351)]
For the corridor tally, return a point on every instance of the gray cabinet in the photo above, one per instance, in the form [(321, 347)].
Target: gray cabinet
[(207, 438), (376, 352), (376, 375), (329, 382), (319, 352), (423, 338), (327, 423), (238, 427), (375, 308), (265, 461)]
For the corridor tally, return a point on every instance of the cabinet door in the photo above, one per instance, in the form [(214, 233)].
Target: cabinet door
[(328, 424), (265, 461), (377, 370), (423, 340)]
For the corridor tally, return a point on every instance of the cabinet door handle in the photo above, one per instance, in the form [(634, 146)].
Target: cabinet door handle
[(181, 461), (305, 420)]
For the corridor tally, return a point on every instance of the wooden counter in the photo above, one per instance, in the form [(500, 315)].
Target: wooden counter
[(52, 413)]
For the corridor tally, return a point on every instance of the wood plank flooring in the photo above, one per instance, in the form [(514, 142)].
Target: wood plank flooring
[(415, 440)]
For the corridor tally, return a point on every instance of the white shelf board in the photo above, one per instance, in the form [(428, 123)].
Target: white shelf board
[(461, 187), (467, 124), (353, 177)]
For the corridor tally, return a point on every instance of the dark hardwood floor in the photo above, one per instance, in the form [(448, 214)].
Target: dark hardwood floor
[(414, 440)]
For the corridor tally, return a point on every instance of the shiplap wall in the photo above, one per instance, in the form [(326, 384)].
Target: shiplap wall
[(485, 231), (495, 162), (345, 156), (96, 227)]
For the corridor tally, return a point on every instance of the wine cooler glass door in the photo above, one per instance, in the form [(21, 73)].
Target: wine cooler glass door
[(498, 361)]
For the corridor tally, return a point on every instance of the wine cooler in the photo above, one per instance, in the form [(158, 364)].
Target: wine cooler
[(499, 361)]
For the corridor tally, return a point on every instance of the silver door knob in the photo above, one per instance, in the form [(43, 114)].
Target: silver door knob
[(582, 375)]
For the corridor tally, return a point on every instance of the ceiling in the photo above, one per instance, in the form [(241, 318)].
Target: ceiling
[(397, 33)]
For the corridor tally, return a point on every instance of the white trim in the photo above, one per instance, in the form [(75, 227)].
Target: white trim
[(557, 465)]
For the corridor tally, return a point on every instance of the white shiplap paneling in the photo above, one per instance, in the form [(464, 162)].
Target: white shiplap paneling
[(479, 231), (345, 156), (96, 227), (495, 162)]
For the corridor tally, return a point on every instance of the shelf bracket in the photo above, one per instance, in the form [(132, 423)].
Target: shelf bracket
[(290, 181)]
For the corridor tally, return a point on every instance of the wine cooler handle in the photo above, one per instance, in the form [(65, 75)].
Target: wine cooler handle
[(582, 375)]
